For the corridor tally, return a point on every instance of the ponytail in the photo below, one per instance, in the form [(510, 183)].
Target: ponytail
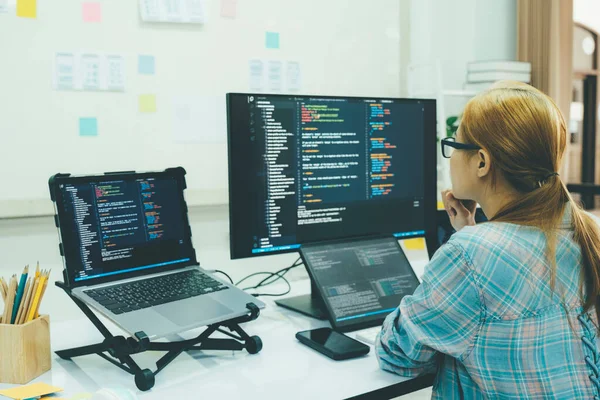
[(525, 135)]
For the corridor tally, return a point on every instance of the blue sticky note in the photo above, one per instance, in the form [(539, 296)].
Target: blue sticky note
[(272, 40), (146, 65), (88, 127)]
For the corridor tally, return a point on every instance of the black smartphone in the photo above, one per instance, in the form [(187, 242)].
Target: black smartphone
[(333, 344)]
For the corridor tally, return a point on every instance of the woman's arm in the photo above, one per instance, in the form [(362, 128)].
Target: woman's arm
[(442, 316)]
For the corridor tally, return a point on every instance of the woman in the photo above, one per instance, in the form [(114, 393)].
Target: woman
[(506, 309)]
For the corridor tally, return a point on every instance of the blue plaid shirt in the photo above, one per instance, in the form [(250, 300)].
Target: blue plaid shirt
[(487, 322)]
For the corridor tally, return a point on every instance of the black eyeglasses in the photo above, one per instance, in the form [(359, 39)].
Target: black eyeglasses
[(450, 143)]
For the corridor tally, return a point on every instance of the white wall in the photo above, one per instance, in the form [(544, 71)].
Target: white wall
[(351, 48), (344, 49), (459, 31), (587, 12)]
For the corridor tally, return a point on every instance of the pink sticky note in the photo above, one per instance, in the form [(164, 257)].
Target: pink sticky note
[(92, 12), (228, 8)]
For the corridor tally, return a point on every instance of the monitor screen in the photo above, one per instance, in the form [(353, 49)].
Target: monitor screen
[(360, 281), (307, 168), (114, 226)]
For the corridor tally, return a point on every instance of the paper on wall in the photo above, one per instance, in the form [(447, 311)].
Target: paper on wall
[(7, 6), (176, 11), (64, 71), (293, 76), (115, 73), (274, 74), (256, 75), (199, 119), (89, 71)]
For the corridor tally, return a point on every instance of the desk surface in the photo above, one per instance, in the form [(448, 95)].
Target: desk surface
[(283, 369)]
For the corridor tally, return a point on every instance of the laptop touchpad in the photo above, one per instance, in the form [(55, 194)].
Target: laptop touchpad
[(190, 311)]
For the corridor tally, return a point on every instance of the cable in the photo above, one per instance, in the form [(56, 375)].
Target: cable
[(277, 275), (221, 272), (280, 274), (270, 279), (289, 289)]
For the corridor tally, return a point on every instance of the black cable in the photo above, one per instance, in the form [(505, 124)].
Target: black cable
[(289, 289), (221, 272), (280, 274), (251, 275), (277, 275)]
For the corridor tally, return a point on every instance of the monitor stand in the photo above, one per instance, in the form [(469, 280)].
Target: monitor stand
[(308, 304)]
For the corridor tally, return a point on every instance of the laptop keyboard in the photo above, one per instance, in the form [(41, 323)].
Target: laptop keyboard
[(150, 292)]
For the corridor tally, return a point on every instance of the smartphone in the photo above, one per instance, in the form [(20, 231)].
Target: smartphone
[(333, 344)]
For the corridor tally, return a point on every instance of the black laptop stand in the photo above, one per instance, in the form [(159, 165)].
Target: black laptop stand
[(120, 349)]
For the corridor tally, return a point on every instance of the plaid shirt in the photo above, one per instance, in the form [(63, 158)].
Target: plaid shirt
[(486, 319)]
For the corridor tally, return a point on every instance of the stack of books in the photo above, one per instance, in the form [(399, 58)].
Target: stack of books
[(482, 74)]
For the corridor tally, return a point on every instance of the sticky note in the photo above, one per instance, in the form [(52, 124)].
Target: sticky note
[(440, 205), (27, 8), (272, 40), (228, 8), (415, 244), (29, 391), (146, 65), (147, 103), (88, 127), (91, 12)]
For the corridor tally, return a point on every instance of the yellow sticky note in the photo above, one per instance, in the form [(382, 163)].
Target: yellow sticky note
[(29, 391), (415, 244), (27, 8), (147, 103), (440, 205)]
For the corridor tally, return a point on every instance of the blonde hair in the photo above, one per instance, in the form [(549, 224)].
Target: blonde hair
[(525, 134)]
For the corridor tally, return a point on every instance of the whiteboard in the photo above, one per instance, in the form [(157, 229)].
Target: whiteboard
[(343, 48)]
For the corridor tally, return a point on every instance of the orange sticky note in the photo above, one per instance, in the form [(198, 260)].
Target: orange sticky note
[(415, 244), (27, 8), (147, 103), (29, 391)]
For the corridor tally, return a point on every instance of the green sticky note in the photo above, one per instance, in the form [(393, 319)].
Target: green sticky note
[(272, 40), (147, 103), (88, 127)]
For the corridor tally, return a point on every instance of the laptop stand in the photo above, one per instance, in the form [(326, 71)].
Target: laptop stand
[(120, 349)]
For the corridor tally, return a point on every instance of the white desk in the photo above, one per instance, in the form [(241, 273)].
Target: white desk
[(283, 369)]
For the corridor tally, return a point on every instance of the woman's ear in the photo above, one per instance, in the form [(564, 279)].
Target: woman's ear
[(483, 163)]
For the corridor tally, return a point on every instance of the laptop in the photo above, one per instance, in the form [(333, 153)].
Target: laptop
[(127, 249), (360, 281)]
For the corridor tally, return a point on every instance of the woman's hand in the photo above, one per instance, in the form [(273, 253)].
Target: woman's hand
[(461, 212)]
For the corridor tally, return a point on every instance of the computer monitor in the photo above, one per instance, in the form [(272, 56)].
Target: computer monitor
[(305, 169), (124, 224)]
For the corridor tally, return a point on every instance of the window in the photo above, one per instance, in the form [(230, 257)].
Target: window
[(583, 123)]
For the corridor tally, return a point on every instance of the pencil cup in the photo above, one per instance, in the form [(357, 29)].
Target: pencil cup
[(24, 350)]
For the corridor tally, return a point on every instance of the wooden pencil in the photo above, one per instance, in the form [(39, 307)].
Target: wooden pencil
[(37, 307), (27, 303), (23, 301), (5, 287), (10, 298), (36, 298), (2, 293)]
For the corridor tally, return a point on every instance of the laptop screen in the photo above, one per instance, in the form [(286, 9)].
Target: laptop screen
[(112, 226), (361, 281)]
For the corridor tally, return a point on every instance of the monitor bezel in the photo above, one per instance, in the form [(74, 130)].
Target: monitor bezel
[(430, 172)]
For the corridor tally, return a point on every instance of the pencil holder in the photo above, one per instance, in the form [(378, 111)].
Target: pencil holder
[(24, 350)]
